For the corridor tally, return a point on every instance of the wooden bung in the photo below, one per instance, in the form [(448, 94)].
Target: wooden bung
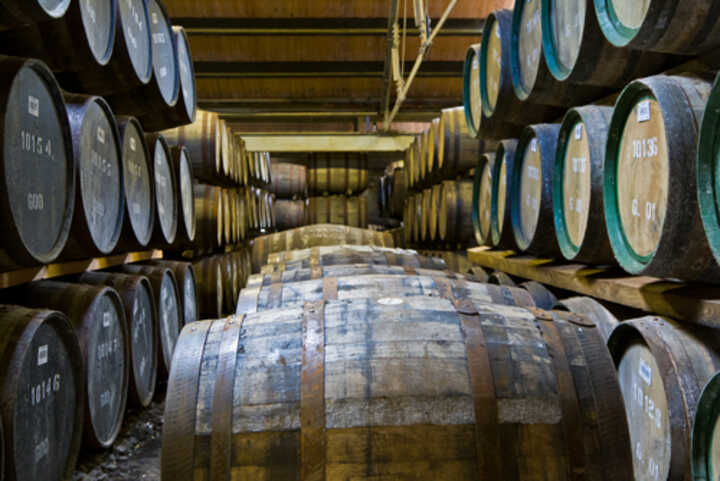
[(447, 389)]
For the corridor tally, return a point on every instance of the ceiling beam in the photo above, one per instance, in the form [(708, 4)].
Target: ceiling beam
[(205, 69), (325, 142), (315, 26)]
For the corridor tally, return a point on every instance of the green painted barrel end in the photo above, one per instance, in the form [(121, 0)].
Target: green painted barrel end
[(708, 186), (487, 108), (568, 249), (515, 202), (701, 441), (471, 54), (614, 30), (515, 74)]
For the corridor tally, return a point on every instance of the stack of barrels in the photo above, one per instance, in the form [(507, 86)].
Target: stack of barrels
[(393, 191), (289, 186), (438, 205), (437, 374), (335, 182), (91, 179)]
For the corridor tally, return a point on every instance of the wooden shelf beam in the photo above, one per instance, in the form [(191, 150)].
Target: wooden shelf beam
[(698, 304), (30, 274)]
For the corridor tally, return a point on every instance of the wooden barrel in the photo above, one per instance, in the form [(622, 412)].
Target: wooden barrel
[(346, 270), (496, 129), (313, 236), (703, 455), (338, 209), (496, 87), (455, 219), (576, 50), (98, 317), (409, 220), (459, 387), (163, 89), (324, 256), (459, 151), (169, 310), (204, 141), (662, 367), (531, 190), (290, 213), (433, 167), (501, 230), (605, 315), (208, 202), (131, 63), (410, 159), (20, 12), (166, 192), (531, 78), (187, 287), (38, 172), (707, 165), (650, 195), (289, 180), (43, 394), (434, 214), (398, 193), (100, 196), (182, 170), (472, 100), (209, 287), (676, 27), (140, 312), (337, 173), (374, 287), (577, 186), (138, 188), (427, 235), (184, 110), (417, 148), (482, 198), (542, 296), (82, 38), (501, 279)]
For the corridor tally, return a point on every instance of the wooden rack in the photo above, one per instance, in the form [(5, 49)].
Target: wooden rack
[(698, 304), (22, 276)]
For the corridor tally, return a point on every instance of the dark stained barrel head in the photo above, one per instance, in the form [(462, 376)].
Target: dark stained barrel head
[(42, 422), (54, 8), (98, 19), (187, 201), (23, 12), (106, 361), (189, 295), (101, 190), (135, 27), (169, 317), (187, 72), (37, 166), (142, 343), (165, 196), (137, 182), (163, 53)]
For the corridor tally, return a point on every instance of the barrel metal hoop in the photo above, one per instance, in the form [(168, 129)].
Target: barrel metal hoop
[(571, 419), (445, 288), (482, 383), (316, 272), (330, 288), (222, 406), (276, 277), (541, 314), (410, 271), (314, 257), (312, 394), (391, 259)]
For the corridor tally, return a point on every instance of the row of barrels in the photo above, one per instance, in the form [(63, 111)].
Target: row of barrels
[(220, 156), (633, 184), (392, 191), (220, 278), (227, 216), (440, 215), (314, 236), (337, 209), (544, 56), (321, 174), (80, 182), (443, 151), (112, 48), (461, 373), (584, 388), (78, 351)]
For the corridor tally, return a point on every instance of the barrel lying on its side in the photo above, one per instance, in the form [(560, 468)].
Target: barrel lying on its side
[(432, 390)]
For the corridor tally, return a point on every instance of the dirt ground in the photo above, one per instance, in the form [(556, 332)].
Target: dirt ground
[(135, 455)]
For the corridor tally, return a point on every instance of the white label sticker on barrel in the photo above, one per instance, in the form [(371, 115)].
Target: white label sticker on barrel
[(533, 145), (101, 135), (133, 144), (390, 301), (42, 355), (106, 319), (578, 131), (33, 106), (645, 372), (643, 111)]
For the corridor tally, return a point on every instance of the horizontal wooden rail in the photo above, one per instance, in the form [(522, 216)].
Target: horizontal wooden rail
[(22, 276), (698, 304)]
